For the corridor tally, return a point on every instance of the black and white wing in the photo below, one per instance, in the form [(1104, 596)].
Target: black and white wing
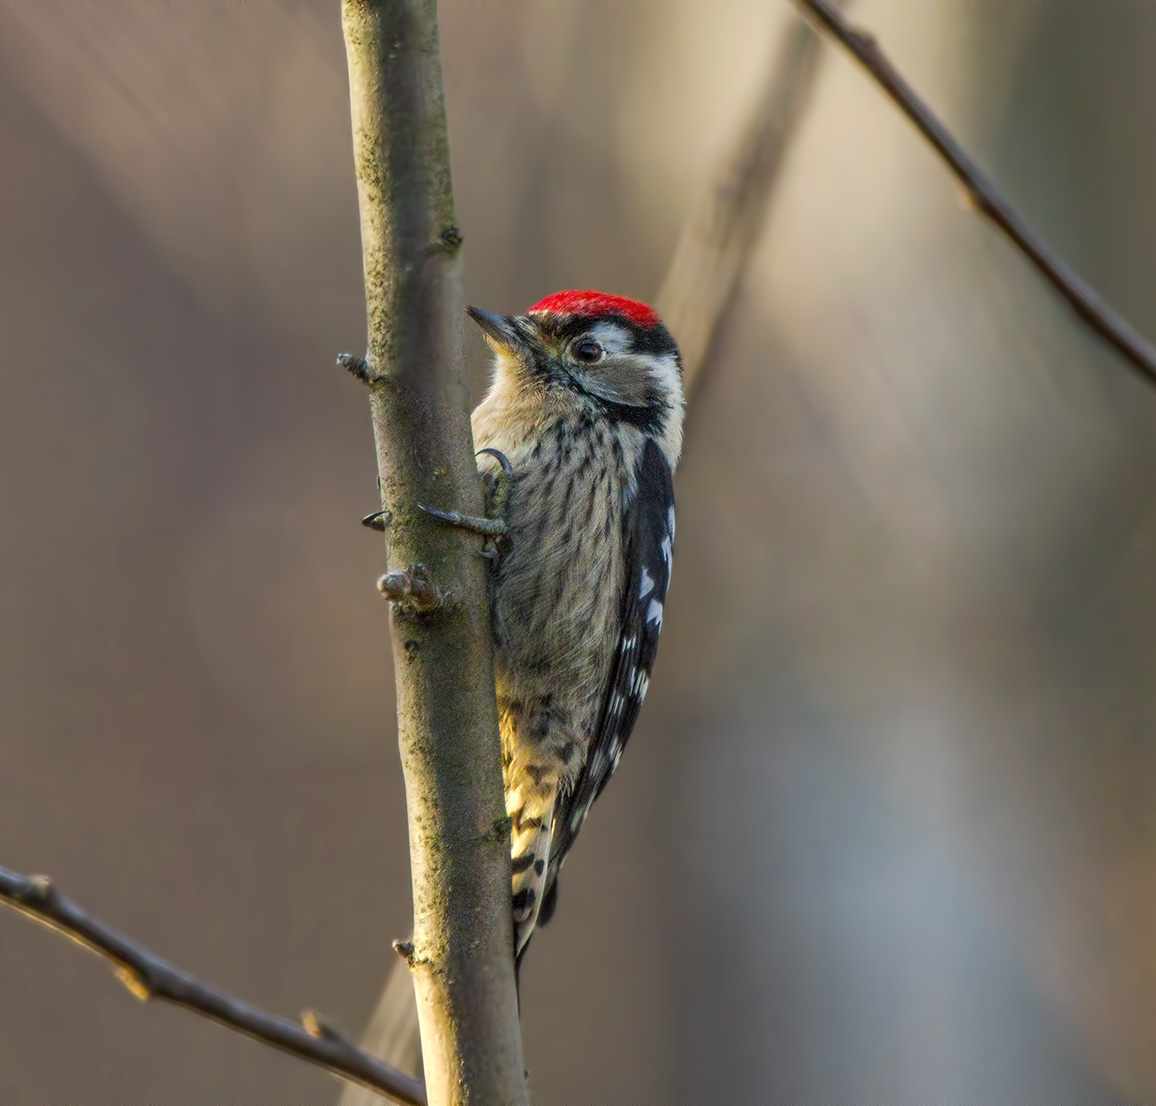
[(649, 538)]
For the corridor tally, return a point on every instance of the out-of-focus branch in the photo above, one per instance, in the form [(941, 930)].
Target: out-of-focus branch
[(723, 227), (462, 956), (1116, 331), (149, 977)]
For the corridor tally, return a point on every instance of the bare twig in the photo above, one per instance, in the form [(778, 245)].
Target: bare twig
[(462, 959), (1116, 331), (149, 977), (723, 227)]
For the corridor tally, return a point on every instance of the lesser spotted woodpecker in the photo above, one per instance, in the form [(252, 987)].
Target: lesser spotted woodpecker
[(587, 406)]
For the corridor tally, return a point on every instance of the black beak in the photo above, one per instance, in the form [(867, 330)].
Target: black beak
[(499, 329)]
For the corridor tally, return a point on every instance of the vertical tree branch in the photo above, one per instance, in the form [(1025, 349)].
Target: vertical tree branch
[(447, 721)]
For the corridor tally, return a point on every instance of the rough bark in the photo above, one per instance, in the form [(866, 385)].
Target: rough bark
[(447, 722)]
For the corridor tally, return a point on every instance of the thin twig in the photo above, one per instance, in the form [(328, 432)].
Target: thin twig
[(722, 229), (1116, 331), (149, 977)]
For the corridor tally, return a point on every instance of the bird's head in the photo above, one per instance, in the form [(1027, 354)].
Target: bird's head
[(600, 354)]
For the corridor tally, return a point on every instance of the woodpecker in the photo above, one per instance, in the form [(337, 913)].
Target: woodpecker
[(578, 436)]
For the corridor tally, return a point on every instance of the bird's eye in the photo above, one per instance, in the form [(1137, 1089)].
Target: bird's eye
[(586, 349)]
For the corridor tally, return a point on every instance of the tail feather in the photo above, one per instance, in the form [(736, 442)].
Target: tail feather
[(533, 820)]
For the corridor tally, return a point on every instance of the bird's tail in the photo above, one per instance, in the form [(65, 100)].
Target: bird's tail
[(531, 808)]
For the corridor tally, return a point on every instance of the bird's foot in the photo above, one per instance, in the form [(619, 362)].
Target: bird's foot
[(487, 527), (493, 528)]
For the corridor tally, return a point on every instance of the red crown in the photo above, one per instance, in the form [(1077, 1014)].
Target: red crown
[(589, 302)]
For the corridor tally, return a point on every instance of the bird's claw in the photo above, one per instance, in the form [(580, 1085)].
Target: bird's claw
[(492, 529), (499, 492), (503, 460), (487, 527)]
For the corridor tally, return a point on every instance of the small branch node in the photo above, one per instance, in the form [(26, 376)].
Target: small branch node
[(39, 889), (318, 1027), (413, 589), (360, 367), (500, 830), (394, 586), (449, 241), (311, 1023), (378, 521), (132, 980), (405, 949)]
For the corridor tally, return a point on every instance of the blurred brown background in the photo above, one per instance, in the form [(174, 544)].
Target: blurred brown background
[(886, 832)]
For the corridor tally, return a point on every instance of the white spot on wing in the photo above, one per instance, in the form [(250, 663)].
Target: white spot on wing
[(654, 613), (647, 585)]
